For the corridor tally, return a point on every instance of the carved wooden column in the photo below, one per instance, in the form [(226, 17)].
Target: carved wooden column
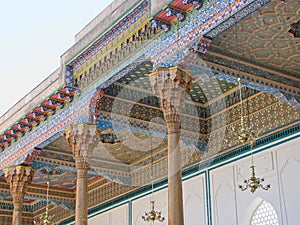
[(83, 138), (18, 178), (170, 85)]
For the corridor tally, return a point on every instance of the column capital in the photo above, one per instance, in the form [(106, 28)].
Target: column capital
[(83, 138), (170, 85), (18, 178)]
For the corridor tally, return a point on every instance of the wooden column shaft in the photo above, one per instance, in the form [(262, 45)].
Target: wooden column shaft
[(83, 138), (81, 209), (17, 213), (175, 203), (170, 85)]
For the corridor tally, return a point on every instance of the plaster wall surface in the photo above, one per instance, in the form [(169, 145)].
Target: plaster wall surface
[(142, 205), (278, 166), (116, 216)]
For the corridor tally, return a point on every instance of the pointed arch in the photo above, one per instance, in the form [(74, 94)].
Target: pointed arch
[(261, 212), (265, 214)]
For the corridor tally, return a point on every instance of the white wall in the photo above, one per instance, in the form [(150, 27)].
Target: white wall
[(142, 205), (194, 202), (288, 167), (279, 165), (116, 216)]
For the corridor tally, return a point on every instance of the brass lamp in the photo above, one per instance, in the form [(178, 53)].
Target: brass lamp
[(247, 136), (153, 215), (254, 182), (45, 219)]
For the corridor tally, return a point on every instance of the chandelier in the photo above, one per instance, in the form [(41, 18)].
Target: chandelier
[(153, 215), (45, 219), (254, 182), (247, 136)]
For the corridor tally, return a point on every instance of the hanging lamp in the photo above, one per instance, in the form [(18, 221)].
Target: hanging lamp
[(45, 219), (153, 215), (247, 136)]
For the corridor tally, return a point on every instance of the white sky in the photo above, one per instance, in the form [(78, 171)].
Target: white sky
[(33, 36)]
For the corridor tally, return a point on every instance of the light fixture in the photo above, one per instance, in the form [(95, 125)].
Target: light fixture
[(247, 136), (153, 215), (45, 219), (254, 182)]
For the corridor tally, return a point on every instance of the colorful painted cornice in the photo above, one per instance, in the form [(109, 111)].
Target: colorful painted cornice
[(105, 40), (36, 117), (76, 110)]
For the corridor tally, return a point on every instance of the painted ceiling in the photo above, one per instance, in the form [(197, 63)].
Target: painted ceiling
[(263, 38)]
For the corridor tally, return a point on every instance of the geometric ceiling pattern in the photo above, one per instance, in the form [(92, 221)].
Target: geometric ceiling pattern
[(200, 92), (263, 38)]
